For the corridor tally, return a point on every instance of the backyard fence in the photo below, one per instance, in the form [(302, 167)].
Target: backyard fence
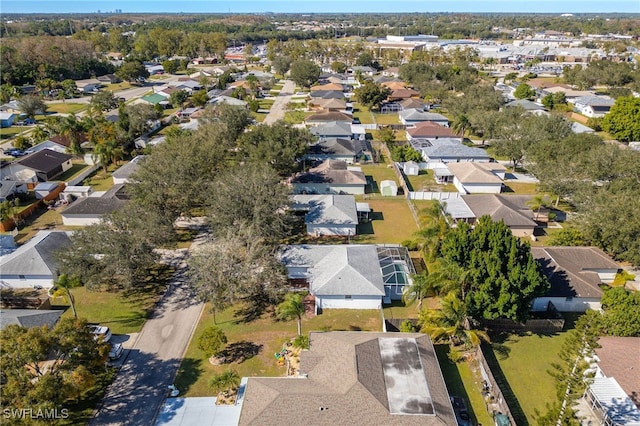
[(428, 195), (82, 176), (494, 398), (10, 223)]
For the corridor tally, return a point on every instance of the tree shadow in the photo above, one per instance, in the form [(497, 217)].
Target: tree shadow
[(189, 372), (240, 351), (253, 308), (452, 378), (503, 384)]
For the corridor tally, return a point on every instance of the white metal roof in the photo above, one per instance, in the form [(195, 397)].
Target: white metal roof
[(615, 402)]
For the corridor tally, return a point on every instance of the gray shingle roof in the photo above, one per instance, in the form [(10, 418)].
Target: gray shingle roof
[(328, 209), (36, 256), (512, 209), (127, 170), (29, 317), (449, 148), (332, 128), (45, 160), (413, 114), (338, 270), (335, 146)]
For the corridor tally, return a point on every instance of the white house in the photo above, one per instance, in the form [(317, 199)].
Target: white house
[(349, 276), (327, 214), (123, 173), (342, 149), (33, 265), (477, 178), (414, 116), (91, 85), (90, 210), (448, 150), (593, 106), (575, 274)]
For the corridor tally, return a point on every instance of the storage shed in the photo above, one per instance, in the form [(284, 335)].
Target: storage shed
[(388, 188), (411, 168)]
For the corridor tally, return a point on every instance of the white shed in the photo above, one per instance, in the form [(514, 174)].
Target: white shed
[(389, 188), (411, 168), (45, 188)]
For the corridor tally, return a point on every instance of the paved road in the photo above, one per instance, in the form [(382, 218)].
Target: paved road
[(140, 388), (279, 107)]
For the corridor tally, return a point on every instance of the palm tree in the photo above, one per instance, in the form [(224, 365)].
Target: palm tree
[(62, 288), (422, 286), (450, 323), (433, 229), (225, 381), (72, 128), (460, 125), (39, 134), (291, 308)]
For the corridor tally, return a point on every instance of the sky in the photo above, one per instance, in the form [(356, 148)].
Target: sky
[(314, 6)]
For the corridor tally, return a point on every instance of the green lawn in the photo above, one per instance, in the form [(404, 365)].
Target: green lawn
[(520, 188), (122, 312), (364, 115), (523, 363), (392, 222), (386, 118), (66, 108), (423, 181), (75, 169), (263, 336), (266, 103), (101, 181), (380, 172), (462, 379), (9, 132)]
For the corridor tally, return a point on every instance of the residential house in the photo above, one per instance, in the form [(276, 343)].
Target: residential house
[(411, 117), (222, 99), (477, 178), (11, 106), (412, 103), (7, 119), (391, 72), (349, 276), (327, 105), (32, 265), (10, 189), (109, 79), (123, 174), (513, 210), (528, 106), (395, 85), (154, 69), (402, 94), (329, 87), (61, 143), (350, 377), (327, 214), (448, 150), (46, 164), (90, 210), (91, 85), (364, 70), (342, 149), (333, 129), (575, 274), (613, 395), (330, 177), (326, 117), (593, 106), (30, 317), (156, 99), (326, 94), (428, 130)]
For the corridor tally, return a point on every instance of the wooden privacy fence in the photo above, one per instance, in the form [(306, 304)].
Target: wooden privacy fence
[(9, 224), (494, 398)]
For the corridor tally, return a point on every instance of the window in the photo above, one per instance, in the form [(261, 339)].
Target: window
[(347, 297), (22, 277)]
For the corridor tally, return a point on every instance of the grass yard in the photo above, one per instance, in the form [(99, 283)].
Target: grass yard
[(379, 172), (392, 222), (66, 108), (462, 380), (9, 132), (116, 87), (386, 118), (364, 115), (122, 312), (266, 103), (101, 181), (251, 345), (523, 363), (520, 188), (75, 169), (423, 181)]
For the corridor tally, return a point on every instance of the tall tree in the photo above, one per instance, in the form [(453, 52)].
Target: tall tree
[(279, 145), (372, 94), (460, 125), (623, 120), (304, 73), (30, 105), (131, 71), (504, 276), (62, 287)]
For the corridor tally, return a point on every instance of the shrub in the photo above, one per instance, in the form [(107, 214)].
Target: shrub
[(408, 326), (212, 341), (455, 355), (411, 245), (301, 342)]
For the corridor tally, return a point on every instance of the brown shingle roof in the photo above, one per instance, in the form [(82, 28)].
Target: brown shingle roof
[(345, 385), (469, 172), (512, 209), (429, 129), (328, 116), (332, 171), (620, 359)]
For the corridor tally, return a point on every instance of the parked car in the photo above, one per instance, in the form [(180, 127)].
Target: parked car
[(116, 351), (460, 409), (28, 121), (15, 152), (100, 333)]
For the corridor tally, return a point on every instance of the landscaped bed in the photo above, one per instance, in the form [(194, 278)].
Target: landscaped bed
[(252, 344)]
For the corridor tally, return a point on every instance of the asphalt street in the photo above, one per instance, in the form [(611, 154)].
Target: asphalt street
[(280, 104), (140, 387)]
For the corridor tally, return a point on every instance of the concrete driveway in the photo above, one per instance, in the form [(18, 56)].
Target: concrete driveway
[(140, 387), (279, 106)]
